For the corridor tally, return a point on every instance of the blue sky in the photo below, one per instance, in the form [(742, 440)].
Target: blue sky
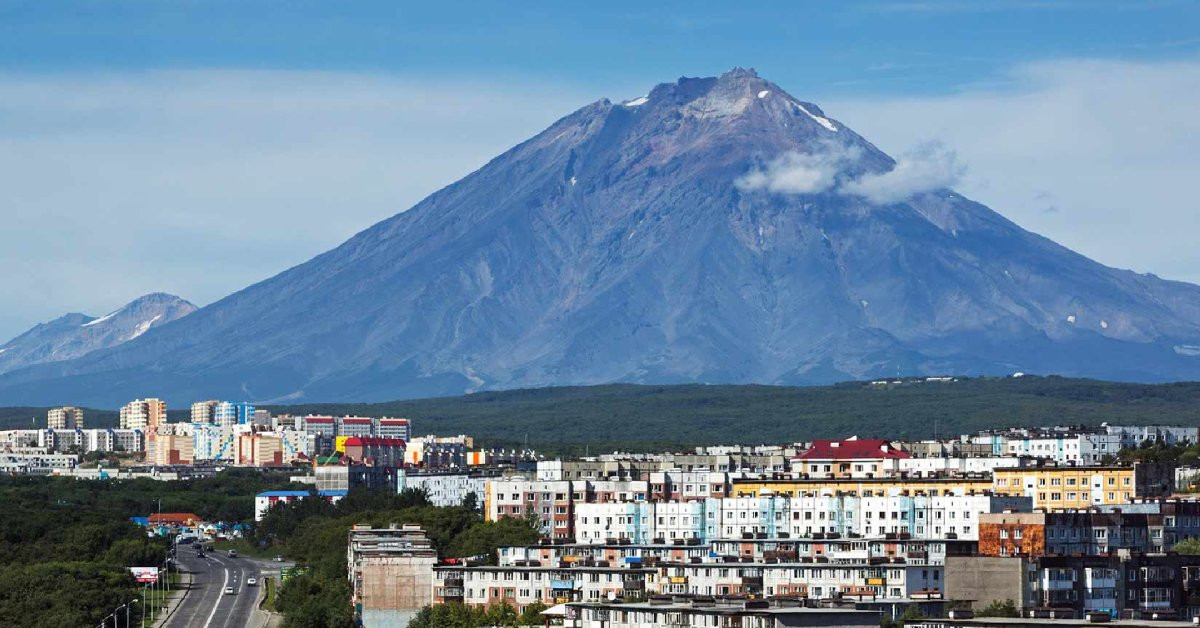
[(197, 147), (832, 47)]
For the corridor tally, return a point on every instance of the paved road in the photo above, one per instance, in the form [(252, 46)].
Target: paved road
[(206, 604)]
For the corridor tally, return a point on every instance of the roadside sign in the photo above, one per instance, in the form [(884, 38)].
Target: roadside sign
[(145, 575)]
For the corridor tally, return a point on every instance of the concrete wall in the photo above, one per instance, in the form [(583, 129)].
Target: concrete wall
[(397, 582), (984, 579)]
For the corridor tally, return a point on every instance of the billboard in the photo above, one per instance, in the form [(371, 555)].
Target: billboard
[(145, 575)]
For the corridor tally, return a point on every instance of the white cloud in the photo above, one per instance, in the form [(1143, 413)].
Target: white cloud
[(1112, 145), (929, 166), (800, 173), (203, 182)]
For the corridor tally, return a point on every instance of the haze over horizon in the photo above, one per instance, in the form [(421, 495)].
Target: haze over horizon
[(145, 152)]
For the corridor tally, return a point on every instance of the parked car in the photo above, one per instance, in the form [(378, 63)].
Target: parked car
[(278, 559), (233, 553)]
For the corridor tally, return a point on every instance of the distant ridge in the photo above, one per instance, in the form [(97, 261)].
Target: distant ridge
[(75, 335)]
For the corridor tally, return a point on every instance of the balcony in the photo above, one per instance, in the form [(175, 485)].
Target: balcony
[(561, 585), (454, 582)]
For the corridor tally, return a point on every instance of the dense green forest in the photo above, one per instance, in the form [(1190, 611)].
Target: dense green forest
[(65, 544), (314, 533), (628, 416), (655, 417)]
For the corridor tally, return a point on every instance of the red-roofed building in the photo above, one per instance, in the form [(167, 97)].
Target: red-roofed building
[(394, 428), (323, 425), (850, 458), (372, 450)]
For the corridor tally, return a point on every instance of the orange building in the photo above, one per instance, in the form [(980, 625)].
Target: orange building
[(1012, 534)]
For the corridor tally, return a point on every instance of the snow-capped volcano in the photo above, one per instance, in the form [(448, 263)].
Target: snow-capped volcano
[(714, 230)]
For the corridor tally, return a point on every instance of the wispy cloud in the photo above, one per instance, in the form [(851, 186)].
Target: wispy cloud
[(929, 166), (800, 173), (1095, 154)]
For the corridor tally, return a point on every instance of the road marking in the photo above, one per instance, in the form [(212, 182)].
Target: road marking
[(214, 610)]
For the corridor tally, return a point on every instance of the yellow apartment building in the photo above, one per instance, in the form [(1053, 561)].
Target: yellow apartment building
[(1067, 487)]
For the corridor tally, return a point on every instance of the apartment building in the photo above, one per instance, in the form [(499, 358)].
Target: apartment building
[(389, 427), (522, 585), (664, 611), (1054, 486), (1134, 435), (391, 573), (36, 463), (204, 411), (597, 468), (849, 458), (955, 466), (679, 485), (549, 552), (943, 517), (64, 418), (229, 414), (448, 488), (1140, 528), (1124, 585), (821, 578), (437, 452), (551, 502), (792, 486), (217, 443), (145, 414), (172, 448)]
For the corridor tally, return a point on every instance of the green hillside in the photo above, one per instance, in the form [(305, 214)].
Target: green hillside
[(649, 417), (625, 416)]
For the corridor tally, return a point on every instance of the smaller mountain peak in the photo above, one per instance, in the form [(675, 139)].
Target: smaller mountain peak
[(739, 73), (157, 297)]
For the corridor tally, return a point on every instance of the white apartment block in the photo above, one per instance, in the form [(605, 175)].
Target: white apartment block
[(943, 517), (1134, 435), (895, 581), (447, 489), (39, 463), (215, 442), (934, 467), (520, 586)]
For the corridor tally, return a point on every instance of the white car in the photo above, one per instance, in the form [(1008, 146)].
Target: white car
[(251, 581), (228, 590)]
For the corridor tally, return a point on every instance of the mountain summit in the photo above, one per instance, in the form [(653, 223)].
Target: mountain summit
[(74, 335), (713, 230)]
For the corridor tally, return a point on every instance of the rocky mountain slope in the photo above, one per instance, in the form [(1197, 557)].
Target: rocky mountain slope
[(715, 230), (75, 335)]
